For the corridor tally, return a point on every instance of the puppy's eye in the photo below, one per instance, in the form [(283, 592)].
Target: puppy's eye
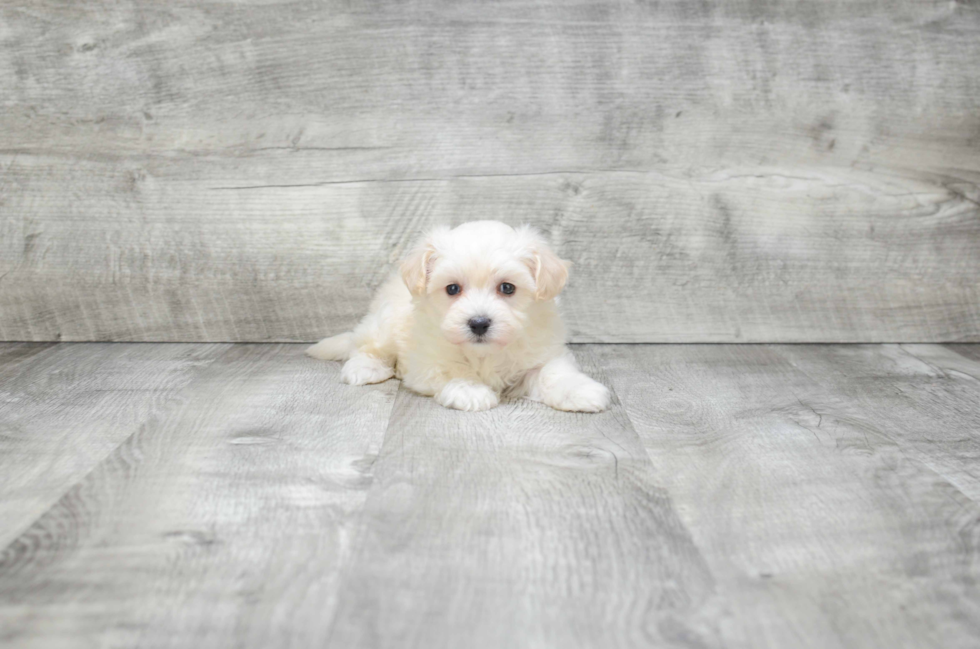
[(452, 289), (507, 289)]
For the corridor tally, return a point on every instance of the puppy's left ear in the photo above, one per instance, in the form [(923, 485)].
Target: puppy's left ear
[(550, 272)]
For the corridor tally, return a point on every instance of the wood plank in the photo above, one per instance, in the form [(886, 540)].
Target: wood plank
[(86, 398), (923, 396), (520, 526), (460, 87), (728, 256), (753, 171), (222, 524), (13, 355), (820, 530), (969, 351)]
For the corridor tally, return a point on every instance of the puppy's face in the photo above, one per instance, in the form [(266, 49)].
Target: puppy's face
[(481, 278)]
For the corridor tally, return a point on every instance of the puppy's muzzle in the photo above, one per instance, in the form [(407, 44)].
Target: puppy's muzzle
[(479, 325)]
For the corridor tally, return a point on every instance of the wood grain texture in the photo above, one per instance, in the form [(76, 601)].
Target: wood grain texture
[(520, 527), (221, 525), (64, 409), (818, 526), (738, 496), (753, 171), (968, 351), (926, 398)]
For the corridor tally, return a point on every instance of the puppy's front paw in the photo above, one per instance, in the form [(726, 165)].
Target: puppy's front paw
[(467, 395), (362, 369), (581, 395)]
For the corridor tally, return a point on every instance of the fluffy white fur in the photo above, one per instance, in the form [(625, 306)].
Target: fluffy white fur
[(418, 332)]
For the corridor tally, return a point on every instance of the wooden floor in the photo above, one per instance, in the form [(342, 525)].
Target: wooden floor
[(174, 495)]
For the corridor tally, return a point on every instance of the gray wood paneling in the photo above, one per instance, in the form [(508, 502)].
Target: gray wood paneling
[(846, 257), (520, 526), (222, 524), (64, 409), (752, 171), (818, 523)]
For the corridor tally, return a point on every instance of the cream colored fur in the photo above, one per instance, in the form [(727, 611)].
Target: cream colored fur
[(416, 331)]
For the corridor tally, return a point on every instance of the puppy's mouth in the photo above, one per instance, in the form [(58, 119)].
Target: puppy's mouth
[(485, 341), (476, 341)]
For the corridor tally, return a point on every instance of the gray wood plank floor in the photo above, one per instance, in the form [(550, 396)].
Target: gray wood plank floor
[(159, 495)]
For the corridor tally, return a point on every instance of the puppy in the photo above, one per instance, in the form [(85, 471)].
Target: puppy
[(470, 318)]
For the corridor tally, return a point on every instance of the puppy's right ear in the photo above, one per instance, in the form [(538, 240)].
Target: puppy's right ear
[(417, 266), (415, 269)]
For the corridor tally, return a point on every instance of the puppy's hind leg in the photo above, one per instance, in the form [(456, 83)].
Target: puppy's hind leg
[(362, 369), (371, 349), (373, 358), (563, 386)]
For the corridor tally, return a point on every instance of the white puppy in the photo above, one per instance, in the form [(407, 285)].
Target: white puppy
[(471, 317)]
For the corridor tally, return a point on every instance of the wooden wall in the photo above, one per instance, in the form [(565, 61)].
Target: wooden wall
[(756, 170)]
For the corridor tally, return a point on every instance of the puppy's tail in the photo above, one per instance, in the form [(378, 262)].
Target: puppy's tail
[(336, 348)]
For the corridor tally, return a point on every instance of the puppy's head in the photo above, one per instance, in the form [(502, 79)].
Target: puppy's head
[(481, 278)]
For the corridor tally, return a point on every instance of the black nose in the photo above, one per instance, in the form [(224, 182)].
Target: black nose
[(479, 325)]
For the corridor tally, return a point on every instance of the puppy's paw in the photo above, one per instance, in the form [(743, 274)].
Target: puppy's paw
[(362, 369), (467, 395), (581, 395)]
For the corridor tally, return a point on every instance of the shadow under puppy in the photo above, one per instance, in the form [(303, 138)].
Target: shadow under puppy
[(471, 317)]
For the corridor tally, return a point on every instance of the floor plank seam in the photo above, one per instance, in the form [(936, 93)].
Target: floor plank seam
[(356, 520), (945, 373), (910, 455), (177, 399)]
